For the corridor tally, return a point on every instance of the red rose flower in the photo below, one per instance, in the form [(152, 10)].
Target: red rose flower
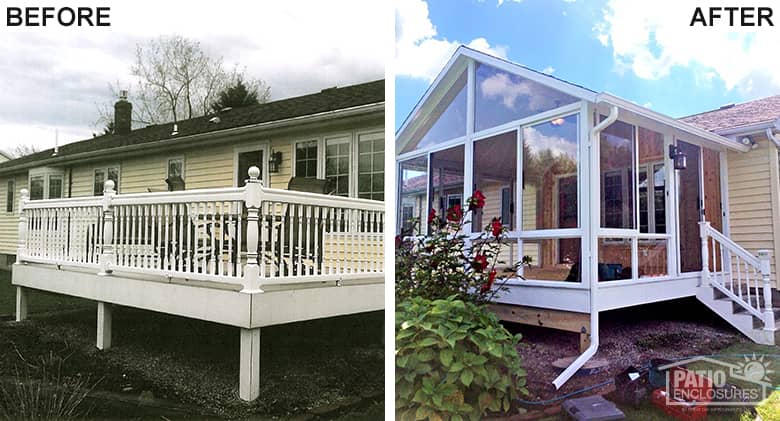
[(477, 200), (398, 241), (454, 213), (497, 227), (431, 215), (489, 284), (480, 262)]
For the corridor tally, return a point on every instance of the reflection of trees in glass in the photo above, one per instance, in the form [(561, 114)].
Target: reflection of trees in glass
[(539, 166)]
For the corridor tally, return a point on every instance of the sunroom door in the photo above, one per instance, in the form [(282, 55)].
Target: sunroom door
[(690, 208)]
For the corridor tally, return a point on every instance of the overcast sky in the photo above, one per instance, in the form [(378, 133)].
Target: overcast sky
[(52, 78)]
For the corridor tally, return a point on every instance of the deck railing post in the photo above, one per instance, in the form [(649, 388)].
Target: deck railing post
[(766, 272), (253, 198), (106, 259), (704, 233), (21, 245)]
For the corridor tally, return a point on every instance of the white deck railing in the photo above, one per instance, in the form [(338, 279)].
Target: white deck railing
[(739, 275), (251, 235)]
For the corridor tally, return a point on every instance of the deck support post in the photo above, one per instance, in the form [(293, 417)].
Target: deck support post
[(106, 258), (704, 233), (103, 325), (253, 199), (21, 304), (249, 372), (766, 273), (21, 244)]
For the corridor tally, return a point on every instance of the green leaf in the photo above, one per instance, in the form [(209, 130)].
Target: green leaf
[(427, 342), (456, 366), (466, 377), (446, 357)]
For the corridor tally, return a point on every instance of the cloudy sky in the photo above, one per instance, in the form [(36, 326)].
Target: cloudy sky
[(644, 51), (52, 78)]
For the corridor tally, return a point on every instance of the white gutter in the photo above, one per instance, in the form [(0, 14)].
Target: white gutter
[(593, 280), (672, 122)]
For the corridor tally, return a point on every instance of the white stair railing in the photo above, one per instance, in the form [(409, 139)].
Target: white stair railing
[(739, 275), (252, 235)]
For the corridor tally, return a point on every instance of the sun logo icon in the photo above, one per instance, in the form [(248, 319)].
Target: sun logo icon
[(754, 368)]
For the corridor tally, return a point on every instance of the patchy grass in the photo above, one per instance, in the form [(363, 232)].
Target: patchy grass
[(39, 301), (303, 365)]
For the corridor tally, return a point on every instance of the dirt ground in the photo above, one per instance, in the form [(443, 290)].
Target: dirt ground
[(305, 365), (669, 330)]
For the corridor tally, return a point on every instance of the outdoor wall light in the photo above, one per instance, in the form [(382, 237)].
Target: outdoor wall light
[(680, 159), (275, 162)]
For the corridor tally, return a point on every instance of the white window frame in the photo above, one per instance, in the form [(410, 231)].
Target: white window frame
[(10, 194), (105, 169), (168, 165), (46, 173), (262, 145), (320, 155), (352, 173), (355, 169)]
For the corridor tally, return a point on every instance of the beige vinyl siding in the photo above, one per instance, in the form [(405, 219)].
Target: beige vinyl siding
[(9, 221), (210, 167), (750, 185), (143, 174), (83, 179)]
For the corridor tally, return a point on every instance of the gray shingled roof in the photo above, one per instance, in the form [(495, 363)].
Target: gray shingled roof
[(745, 114), (331, 99)]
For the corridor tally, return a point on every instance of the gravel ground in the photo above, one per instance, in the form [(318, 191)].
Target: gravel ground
[(303, 365), (628, 337)]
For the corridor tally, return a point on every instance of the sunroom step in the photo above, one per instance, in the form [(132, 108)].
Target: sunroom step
[(743, 321)]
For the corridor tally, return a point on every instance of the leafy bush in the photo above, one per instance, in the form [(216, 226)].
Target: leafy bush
[(454, 361), (446, 262)]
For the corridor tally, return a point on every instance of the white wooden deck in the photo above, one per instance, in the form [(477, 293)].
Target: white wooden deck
[(246, 257)]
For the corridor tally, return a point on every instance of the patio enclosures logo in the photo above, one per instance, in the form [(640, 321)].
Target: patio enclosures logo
[(732, 16), (57, 16), (703, 381)]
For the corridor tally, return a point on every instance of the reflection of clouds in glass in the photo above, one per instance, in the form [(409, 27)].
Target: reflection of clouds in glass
[(508, 89), (556, 144)]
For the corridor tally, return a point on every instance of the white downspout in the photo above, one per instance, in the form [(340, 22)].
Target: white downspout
[(593, 278)]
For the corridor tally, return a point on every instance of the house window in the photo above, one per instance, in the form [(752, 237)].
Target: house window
[(337, 158), (247, 160), (506, 207), (55, 187), (36, 187), (371, 166), (176, 168), (306, 159), (103, 174), (9, 196)]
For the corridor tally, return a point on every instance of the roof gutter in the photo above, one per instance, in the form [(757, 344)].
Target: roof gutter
[(593, 280), (307, 119), (672, 122)]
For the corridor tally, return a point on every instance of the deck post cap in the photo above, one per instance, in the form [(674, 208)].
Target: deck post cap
[(108, 185), (254, 173), (25, 192)]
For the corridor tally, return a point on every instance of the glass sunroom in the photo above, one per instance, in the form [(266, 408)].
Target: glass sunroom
[(600, 193)]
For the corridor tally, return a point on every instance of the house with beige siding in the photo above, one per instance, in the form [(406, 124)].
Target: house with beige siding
[(250, 217), (615, 204)]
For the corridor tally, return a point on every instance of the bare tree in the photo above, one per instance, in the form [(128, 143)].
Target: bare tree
[(176, 80), (23, 150)]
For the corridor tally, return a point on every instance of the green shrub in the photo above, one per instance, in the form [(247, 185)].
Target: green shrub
[(454, 361)]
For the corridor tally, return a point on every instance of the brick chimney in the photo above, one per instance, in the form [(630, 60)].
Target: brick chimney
[(123, 111)]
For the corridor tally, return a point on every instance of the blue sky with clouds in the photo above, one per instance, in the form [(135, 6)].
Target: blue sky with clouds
[(640, 51)]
